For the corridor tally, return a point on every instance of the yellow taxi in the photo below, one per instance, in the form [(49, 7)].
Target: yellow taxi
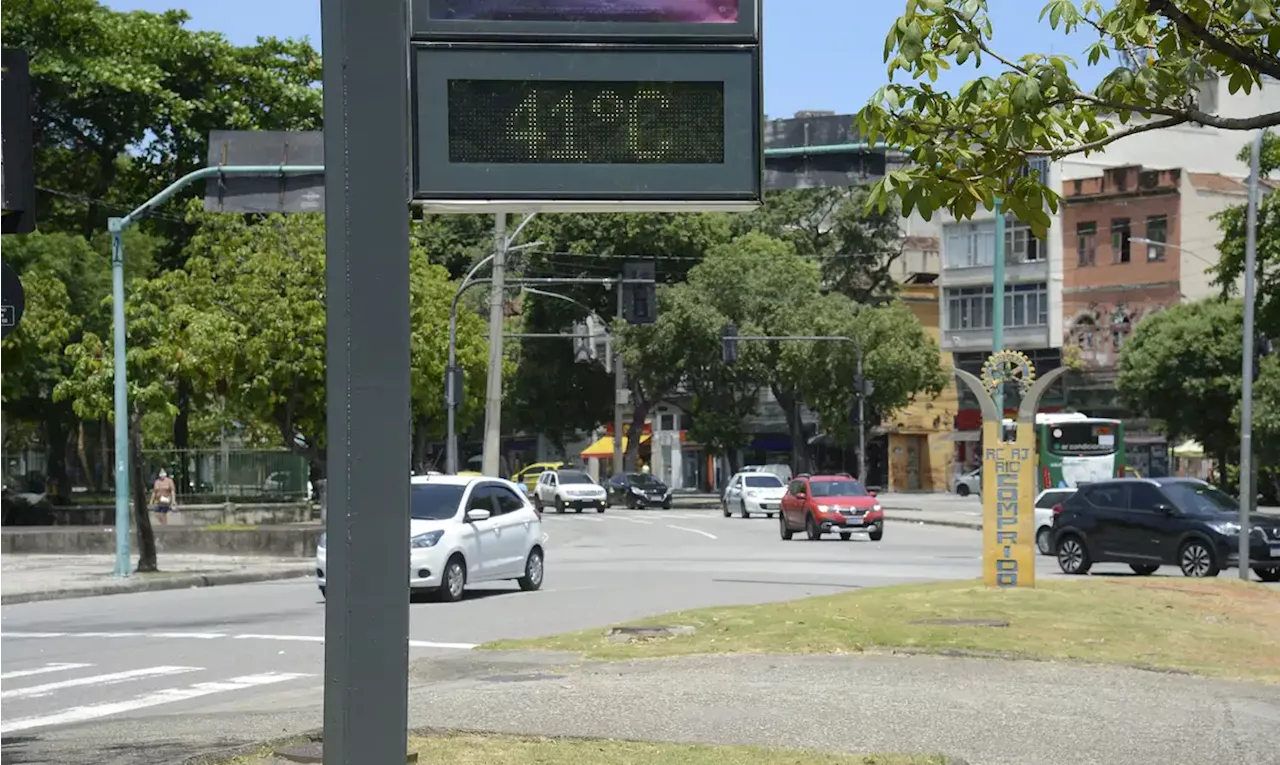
[(528, 475)]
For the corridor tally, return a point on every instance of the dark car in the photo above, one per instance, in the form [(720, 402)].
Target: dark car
[(1153, 522), (637, 490)]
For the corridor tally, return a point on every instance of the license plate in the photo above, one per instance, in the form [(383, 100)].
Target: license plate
[(1275, 551)]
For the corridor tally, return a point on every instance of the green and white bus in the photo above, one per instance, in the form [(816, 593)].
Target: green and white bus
[(1073, 448)]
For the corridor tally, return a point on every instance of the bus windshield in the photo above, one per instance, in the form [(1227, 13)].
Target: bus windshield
[(1082, 439)]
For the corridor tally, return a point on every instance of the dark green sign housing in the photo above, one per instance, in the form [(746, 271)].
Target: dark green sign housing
[(586, 104)]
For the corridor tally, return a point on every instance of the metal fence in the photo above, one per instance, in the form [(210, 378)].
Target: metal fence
[(212, 476)]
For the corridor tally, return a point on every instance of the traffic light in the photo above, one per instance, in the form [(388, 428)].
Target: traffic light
[(639, 301), (19, 174), (729, 340)]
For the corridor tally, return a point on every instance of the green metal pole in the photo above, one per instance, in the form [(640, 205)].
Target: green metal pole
[(115, 226), (119, 331), (997, 305)]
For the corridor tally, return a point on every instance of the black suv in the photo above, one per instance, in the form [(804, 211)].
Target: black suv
[(637, 490), (1151, 522)]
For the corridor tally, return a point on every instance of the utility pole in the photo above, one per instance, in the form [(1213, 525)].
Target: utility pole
[(619, 391), (491, 462), (1246, 389), (997, 307), (862, 418)]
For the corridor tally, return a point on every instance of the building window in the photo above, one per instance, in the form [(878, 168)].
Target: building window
[(668, 422), (1157, 235), (1120, 244), (973, 245), (1020, 245), (1025, 305), (1087, 243)]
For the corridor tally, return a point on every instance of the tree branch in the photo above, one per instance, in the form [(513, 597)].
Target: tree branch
[(1101, 142), (1211, 41)]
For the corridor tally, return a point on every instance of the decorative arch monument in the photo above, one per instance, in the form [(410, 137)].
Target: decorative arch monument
[(1009, 469)]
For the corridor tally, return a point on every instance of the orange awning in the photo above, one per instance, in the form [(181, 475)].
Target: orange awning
[(603, 449)]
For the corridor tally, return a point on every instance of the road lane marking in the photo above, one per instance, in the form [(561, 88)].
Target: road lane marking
[(166, 696), (210, 635), (708, 535), (111, 679), (633, 520), (46, 669)]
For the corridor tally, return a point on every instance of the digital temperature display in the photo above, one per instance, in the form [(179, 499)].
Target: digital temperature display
[(677, 11), (586, 122)]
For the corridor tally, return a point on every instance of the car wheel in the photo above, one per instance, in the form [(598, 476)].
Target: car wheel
[(560, 506), (1197, 560), (533, 570), (1044, 541), (783, 527), (326, 597), (537, 503), (725, 507), (1073, 556), (962, 490), (845, 536), (666, 504), (454, 581), (743, 510), (1144, 569), (1265, 574), (876, 533), (602, 508), (811, 528)]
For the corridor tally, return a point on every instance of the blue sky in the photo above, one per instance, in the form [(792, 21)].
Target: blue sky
[(819, 54)]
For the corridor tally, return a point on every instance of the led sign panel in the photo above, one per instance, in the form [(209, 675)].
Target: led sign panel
[(495, 122), (548, 19)]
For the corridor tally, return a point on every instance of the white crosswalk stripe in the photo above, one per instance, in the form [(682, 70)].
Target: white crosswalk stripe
[(13, 723)]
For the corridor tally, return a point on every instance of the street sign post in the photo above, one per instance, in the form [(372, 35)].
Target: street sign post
[(580, 106), (15, 299)]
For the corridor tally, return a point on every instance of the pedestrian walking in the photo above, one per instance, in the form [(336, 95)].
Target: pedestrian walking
[(164, 496)]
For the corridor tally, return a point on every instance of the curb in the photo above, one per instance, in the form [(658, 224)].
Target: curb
[(930, 522), (157, 584)]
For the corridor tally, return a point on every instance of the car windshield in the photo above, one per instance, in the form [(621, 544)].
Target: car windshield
[(1200, 498), (762, 481), (643, 479), (848, 488), (574, 476), (434, 501)]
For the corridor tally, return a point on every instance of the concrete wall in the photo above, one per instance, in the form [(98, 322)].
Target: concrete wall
[(281, 542), (195, 515)]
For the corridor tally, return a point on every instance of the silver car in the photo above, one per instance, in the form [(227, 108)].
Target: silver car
[(968, 483)]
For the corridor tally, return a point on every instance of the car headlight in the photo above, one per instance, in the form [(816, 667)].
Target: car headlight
[(637, 490), (324, 536), (828, 508), (876, 508), (428, 539), (1225, 527)]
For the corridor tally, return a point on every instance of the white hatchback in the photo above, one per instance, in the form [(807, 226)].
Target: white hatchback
[(464, 530), (753, 492), (1044, 516)]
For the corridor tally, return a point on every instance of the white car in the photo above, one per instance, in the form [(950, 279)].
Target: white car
[(753, 492), (968, 483), (464, 530), (1044, 516), (564, 488)]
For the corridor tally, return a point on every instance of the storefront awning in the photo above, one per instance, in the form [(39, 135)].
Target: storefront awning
[(1189, 450), (603, 449)]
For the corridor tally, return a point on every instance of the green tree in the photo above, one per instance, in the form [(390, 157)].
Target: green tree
[(124, 101), (1233, 222), (969, 147), (900, 360), (591, 246), (1182, 366), (856, 247)]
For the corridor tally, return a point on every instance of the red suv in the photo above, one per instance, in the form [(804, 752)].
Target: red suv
[(821, 504)]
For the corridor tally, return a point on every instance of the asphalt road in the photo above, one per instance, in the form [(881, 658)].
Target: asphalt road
[(154, 677)]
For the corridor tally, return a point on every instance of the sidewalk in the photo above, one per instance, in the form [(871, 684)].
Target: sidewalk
[(988, 712), (27, 578)]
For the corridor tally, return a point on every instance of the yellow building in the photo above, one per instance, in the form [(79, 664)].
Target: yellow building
[(921, 452)]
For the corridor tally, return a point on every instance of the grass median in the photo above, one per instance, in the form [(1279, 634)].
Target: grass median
[(486, 749), (1219, 627)]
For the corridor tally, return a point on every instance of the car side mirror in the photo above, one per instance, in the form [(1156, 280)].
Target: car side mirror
[(1165, 509), (871, 492), (478, 514), (801, 494)]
